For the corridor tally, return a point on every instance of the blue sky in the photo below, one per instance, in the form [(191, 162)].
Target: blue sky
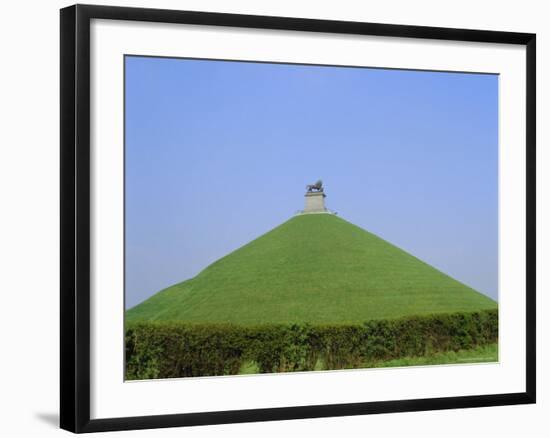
[(218, 153)]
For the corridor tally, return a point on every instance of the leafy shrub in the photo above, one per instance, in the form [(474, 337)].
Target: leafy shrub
[(175, 349)]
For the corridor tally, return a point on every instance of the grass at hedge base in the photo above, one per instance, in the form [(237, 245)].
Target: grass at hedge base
[(157, 350), (483, 353), (479, 354)]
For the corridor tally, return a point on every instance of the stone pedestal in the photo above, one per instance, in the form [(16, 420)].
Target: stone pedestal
[(315, 202)]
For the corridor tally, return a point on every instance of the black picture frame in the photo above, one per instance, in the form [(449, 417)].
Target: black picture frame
[(75, 217)]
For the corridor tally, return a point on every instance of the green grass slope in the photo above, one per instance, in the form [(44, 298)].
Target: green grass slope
[(315, 268)]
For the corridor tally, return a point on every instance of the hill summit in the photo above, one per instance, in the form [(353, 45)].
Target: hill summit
[(314, 268)]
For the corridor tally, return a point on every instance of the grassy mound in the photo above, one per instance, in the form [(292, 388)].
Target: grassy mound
[(314, 268)]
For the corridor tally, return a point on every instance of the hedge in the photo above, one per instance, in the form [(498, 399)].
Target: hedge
[(176, 349)]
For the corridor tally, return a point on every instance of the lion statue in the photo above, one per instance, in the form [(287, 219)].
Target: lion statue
[(317, 187)]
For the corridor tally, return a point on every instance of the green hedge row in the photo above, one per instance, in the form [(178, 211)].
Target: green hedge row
[(163, 350)]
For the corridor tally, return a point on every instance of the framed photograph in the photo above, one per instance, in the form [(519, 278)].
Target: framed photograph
[(268, 218)]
